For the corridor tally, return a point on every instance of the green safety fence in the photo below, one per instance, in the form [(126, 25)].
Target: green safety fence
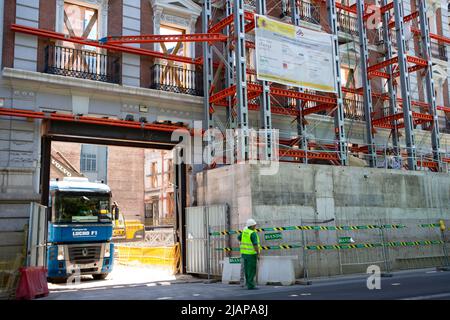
[(345, 246), (322, 228), (429, 225)]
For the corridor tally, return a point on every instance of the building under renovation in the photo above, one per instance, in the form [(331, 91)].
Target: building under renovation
[(373, 144)]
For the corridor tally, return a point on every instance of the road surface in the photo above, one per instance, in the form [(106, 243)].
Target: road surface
[(417, 284)]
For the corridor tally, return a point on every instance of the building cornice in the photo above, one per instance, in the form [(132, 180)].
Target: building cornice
[(184, 8), (44, 82)]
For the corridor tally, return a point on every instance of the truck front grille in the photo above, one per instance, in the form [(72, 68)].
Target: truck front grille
[(84, 254)]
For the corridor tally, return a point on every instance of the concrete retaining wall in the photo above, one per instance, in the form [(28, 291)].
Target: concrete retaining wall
[(329, 195)]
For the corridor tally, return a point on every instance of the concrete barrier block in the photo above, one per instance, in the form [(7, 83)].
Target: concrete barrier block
[(276, 269), (231, 271)]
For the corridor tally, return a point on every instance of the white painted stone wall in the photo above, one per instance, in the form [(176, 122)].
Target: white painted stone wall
[(25, 48), (131, 64)]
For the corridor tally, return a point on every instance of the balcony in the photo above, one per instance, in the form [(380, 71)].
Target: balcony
[(354, 109), (347, 24), (82, 64), (250, 3), (439, 51), (176, 79), (309, 12)]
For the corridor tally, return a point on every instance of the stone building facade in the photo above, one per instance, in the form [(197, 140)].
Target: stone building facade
[(40, 74)]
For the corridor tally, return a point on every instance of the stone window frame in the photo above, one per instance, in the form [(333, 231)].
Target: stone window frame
[(166, 12), (100, 5)]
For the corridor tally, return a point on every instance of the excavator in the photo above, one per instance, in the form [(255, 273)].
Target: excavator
[(126, 230)]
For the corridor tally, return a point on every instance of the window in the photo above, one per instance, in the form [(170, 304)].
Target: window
[(172, 75), (74, 207), (155, 205), (347, 77), (88, 162), (148, 210), (170, 171), (154, 175), (80, 21), (170, 204), (177, 48), (353, 104)]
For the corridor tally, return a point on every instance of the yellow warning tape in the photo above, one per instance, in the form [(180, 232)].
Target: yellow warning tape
[(346, 246), (318, 228)]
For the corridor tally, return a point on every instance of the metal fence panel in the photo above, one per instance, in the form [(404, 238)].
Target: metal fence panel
[(37, 238), (196, 240), (406, 255), (202, 256), (217, 219), (326, 248)]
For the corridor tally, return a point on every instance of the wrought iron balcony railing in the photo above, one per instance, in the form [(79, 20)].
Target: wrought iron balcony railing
[(439, 51), (309, 12), (354, 109), (82, 64), (347, 23), (176, 79)]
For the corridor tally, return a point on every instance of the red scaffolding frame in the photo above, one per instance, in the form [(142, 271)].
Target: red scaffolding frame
[(324, 102)]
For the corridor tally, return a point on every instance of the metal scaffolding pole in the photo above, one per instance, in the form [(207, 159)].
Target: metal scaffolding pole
[(426, 54), (207, 67), (390, 82), (241, 80), (364, 51), (405, 85), (229, 74), (301, 126), (208, 71), (339, 123), (265, 112)]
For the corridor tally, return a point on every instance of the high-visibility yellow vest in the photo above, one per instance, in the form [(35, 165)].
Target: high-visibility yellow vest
[(246, 242)]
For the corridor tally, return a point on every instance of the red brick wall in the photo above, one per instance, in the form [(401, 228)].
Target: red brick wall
[(8, 35), (146, 28), (70, 151), (115, 13), (125, 174), (47, 20), (115, 22), (126, 179)]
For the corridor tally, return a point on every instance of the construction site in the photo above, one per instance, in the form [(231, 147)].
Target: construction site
[(326, 121)]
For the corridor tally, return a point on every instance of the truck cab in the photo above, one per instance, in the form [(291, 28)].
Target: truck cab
[(80, 229)]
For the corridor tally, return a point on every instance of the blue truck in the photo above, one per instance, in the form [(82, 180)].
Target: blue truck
[(80, 229)]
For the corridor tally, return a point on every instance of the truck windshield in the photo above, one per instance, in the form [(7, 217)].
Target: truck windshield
[(81, 208)]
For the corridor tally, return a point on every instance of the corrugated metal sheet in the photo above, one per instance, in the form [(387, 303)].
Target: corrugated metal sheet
[(218, 219), (196, 240), (202, 258), (37, 237)]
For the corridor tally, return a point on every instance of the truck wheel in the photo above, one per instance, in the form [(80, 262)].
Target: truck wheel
[(100, 276)]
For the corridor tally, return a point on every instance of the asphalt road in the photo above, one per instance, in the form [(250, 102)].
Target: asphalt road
[(417, 284)]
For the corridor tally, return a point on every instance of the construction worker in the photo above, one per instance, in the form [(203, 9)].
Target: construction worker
[(250, 251), (115, 213)]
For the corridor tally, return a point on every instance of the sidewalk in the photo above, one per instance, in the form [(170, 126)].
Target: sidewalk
[(126, 276)]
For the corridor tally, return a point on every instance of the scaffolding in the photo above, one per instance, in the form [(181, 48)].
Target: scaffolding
[(230, 83), (401, 115)]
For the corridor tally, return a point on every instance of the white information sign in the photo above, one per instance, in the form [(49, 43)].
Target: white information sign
[(292, 56)]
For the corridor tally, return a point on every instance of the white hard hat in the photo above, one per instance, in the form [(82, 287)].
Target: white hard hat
[(251, 222)]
